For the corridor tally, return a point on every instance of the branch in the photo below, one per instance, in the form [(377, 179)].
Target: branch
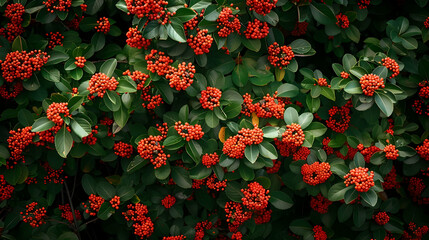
[(72, 210)]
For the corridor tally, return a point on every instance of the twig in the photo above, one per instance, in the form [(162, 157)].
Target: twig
[(72, 210)]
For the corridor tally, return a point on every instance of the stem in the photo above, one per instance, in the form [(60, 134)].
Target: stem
[(72, 210)]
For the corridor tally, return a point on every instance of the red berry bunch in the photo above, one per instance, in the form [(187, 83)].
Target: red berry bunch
[(420, 107), (342, 21), (344, 75), (215, 184), (91, 139), (11, 90), (200, 229), (53, 175), (299, 29), (67, 213), (210, 160), (143, 225), (35, 216), (150, 148), (414, 233), (423, 150), (370, 83), (168, 201), (237, 236), (255, 197), (293, 135), (367, 152), (327, 148), (94, 204), (339, 119), (316, 173), (391, 152), (275, 168), (18, 141), (426, 23), (150, 101), (158, 62), (189, 132), (227, 23), (56, 112), (319, 234), (13, 29), (181, 77), (80, 61), (192, 24), (138, 77), (99, 83), (180, 237), (280, 56), (320, 204), (210, 98), (234, 146), (74, 23), (301, 154), (270, 107), (363, 4), (262, 217), (256, 29), (360, 178), (381, 218), (392, 65), (201, 42), (236, 215), (103, 25), (261, 7), (322, 82), (57, 5), (135, 39), (247, 108), (22, 65), (55, 39), (6, 190), (163, 129), (152, 9), (424, 89), (115, 201), (390, 180), (122, 149)]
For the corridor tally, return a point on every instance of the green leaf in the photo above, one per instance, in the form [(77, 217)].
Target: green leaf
[(270, 132), (19, 44), (316, 129), (81, 127), (121, 5), (301, 227), (300, 46), (151, 30), (370, 197), (184, 14), (353, 33), (280, 200), (125, 193), (409, 43), (350, 195), (313, 104), (98, 40), (57, 57), (68, 236), (105, 190), (121, 116), (109, 67), (322, 13), (76, 73), (240, 75), (358, 71), (89, 185), (200, 172), (246, 173), (75, 102), (106, 210), (337, 191), (271, 18), (137, 163), (337, 141), (328, 93), (176, 31), (211, 119), (52, 75), (251, 152), (384, 103), (194, 150), (287, 90), (112, 101), (42, 124), (181, 177), (305, 119), (353, 87), (251, 44), (348, 62), (63, 142), (290, 116), (267, 150), (233, 191), (359, 160)]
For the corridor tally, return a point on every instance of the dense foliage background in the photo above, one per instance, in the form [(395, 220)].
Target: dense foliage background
[(244, 119)]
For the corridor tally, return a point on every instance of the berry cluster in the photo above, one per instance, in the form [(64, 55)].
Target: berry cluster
[(158, 62), (275, 168), (115, 202), (392, 65), (57, 5), (339, 119), (320, 204), (138, 77), (423, 150), (299, 29), (103, 25), (316, 173), (6, 190), (18, 141), (181, 77), (35, 216), (227, 23), (200, 229), (342, 21), (360, 178), (210, 160), (280, 56), (234, 146), (420, 107), (381, 218), (215, 184), (13, 29), (143, 225), (189, 132), (261, 7), (122, 149), (91, 139), (74, 23), (11, 90), (391, 152), (210, 98), (168, 201), (55, 176), (255, 197), (301, 154), (267, 107), (390, 180), (294, 135), (80, 61), (424, 89), (135, 39), (326, 147), (344, 75), (367, 152), (150, 148), (192, 24), (180, 237), (95, 203), (370, 83), (21, 65), (56, 112), (237, 236), (236, 215), (201, 42), (426, 23), (256, 29), (414, 233), (55, 39), (67, 213), (99, 83), (152, 9), (319, 234), (363, 4)]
